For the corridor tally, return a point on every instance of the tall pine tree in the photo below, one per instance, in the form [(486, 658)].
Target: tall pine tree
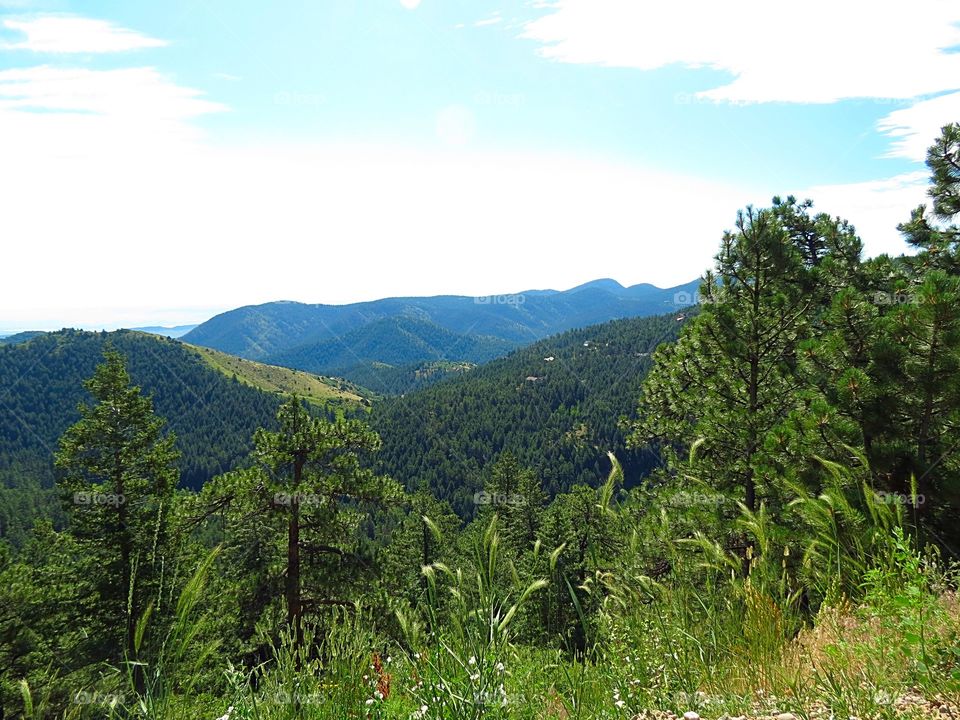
[(731, 377), (117, 474)]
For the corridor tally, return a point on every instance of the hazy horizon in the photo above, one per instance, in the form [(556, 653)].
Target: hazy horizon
[(159, 159), (196, 316)]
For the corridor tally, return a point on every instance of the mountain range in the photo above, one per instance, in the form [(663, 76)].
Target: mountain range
[(391, 345), (551, 399)]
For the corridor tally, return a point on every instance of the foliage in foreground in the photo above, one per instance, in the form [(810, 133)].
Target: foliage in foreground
[(707, 639)]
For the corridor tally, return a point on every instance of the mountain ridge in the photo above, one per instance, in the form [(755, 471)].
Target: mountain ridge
[(315, 337)]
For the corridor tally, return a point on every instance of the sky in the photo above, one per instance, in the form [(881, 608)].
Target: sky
[(162, 162)]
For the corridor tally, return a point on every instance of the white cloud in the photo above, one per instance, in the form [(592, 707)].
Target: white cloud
[(48, 111), (915, 128), (119, 134), (69, 34), (874, 207), (819, 52)]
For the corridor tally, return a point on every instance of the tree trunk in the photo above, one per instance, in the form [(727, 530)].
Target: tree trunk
[(294, 604), (126, 559), (926, 422), (750, 490)]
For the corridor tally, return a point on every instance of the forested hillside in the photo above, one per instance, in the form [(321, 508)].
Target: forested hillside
[(212, 415), (384, 379), (384, 353), (556, 406)]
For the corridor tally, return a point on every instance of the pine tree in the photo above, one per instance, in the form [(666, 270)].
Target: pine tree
[(939, 243), (518, 499), (923, 361), (117, 475), (310, 495), (731, 377), (943, 159), (920, 439)]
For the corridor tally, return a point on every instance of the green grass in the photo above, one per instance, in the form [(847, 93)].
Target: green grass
[(715, 636), (285, 381), (720, 651)]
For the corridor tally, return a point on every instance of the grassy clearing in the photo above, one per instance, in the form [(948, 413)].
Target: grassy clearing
[(285, 381)]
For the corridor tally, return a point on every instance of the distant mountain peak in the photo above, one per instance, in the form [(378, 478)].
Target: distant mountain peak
[(608, 284)]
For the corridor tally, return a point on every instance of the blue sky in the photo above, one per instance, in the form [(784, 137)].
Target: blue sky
[(163, 161)]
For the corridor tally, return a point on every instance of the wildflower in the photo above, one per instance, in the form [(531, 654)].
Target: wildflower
[(383, 678)]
